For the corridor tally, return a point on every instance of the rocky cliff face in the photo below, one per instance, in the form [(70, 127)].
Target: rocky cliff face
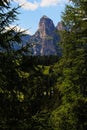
[(60, 26), (46, 27), (46, 38)]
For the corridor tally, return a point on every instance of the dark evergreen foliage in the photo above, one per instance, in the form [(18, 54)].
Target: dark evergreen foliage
[(72, 70), (44, 93)]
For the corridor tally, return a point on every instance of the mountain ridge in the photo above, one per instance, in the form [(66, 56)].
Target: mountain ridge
[(46, 38)]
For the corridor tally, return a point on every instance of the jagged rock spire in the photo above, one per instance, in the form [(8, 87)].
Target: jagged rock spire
[(46, 26), (45, 38)]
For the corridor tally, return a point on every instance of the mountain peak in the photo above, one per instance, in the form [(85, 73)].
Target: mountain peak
[(45, 19), (45, 38), (44, 16), (46, 27), (60, 26)]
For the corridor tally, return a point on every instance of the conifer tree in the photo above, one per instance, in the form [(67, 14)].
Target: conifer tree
[(72, 78), (21, 81), (10, 80)]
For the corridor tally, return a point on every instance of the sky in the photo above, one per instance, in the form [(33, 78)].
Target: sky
[(32, 10)]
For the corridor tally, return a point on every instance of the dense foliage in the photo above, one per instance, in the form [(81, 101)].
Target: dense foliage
[(44, 93), (72, 70)]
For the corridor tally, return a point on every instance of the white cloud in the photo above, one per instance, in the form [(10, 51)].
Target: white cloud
[(43, 3), (18, 28), (28, 5), (47, 3)]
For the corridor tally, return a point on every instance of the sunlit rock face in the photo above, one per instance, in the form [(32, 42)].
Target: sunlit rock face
[(60, 26), (46, 27), (45, 38)]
